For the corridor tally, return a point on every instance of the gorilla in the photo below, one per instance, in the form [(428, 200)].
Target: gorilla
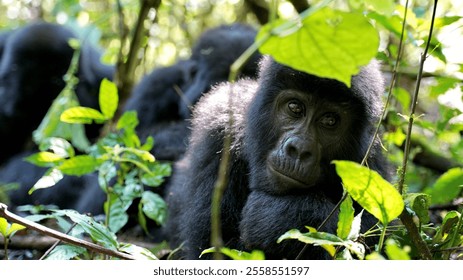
[(34, 61), (162, 97), (287, 128), (216, 50), (156, 99)]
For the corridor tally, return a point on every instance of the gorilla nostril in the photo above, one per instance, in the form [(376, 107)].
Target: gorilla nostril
[(291, 151), (297, 149)]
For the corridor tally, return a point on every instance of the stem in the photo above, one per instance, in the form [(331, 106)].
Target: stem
[(405, 217), (59, 235), (392, 85), (381, 239), (5, 246)]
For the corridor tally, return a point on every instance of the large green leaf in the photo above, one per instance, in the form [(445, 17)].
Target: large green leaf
[(97, 231), (328, 43), (109, 98), (370, 190), (65, 252), (79, 165), (447, 187), (154, 207)]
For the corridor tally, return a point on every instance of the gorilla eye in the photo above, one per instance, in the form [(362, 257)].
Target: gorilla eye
[(296, 108), (329, 120)]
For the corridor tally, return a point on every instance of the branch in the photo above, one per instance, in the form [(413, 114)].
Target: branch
[(405, 217), (125, 69), (59, 235)]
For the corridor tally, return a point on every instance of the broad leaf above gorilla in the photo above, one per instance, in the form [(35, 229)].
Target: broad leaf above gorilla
[(288, 127)]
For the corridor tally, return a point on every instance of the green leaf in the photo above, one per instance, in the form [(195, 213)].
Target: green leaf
[(97, 231), (4, 227), (385, 7), (346, 216), (419, 203), (59, 146), (393, 23), (138, 252), (156, 177), (51, 126), (328, 43), (82, 115), (149, 144), (128, 120), (8, 230), (109, 98), (323, 239), (394, 252), (143, 155), (236, 254), (447, 187), (370, 190), (79, 165), (403, 96), (44, 159), (448, 224), (154, 207), (49, 179), (118, 218), (65, 252)]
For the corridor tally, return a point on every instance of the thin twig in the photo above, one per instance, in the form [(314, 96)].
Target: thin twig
[(56, 243), (405, 217), (61, 236)]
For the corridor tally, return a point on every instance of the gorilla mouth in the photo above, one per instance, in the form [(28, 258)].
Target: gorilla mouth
[(287, 179)]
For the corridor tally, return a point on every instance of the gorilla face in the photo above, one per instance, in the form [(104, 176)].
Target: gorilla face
[(304, 123)]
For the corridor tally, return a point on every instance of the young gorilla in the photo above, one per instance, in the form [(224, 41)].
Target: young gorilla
[(288, 127)]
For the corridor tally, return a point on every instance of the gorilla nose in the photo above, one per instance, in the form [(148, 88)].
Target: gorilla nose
[(297, 148)]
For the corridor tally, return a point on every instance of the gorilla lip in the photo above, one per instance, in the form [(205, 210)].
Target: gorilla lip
[(286, 178)]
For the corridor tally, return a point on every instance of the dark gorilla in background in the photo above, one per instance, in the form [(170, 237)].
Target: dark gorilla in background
[(34, 61), (214, 53), (156, 99), (162, 97), (288, 127)]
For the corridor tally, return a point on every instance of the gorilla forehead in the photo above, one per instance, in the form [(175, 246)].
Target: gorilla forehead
[(366, 87)]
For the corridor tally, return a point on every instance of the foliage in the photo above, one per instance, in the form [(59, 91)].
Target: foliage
[(7, 230), (124, 167)]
